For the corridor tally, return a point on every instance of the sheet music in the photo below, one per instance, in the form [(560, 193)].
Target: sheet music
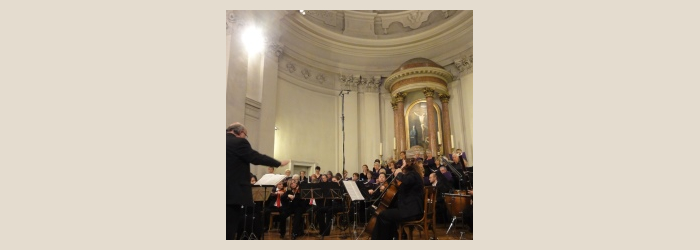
[(353, 191), (270, 179)]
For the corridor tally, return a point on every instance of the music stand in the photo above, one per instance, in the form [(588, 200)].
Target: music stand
[(311, 191), (258, 195), (357, 192)]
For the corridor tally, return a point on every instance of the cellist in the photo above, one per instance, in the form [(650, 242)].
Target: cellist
[(409, 204)]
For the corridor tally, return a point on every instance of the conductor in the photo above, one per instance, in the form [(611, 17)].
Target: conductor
[(239, 156)]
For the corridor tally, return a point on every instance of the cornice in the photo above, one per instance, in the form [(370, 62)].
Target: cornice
[(442, 74)]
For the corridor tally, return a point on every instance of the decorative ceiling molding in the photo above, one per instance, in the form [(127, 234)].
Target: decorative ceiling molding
[(412, 19), (234, 22), (327, 16), (322, 49), (360, 83), (464, 63)]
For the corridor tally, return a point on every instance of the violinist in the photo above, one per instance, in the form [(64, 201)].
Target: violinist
[(409, 205), (379, 187), (278, 202), (297, 207)]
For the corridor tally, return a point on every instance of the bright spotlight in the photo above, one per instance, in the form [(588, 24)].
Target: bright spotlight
[(253, 40)]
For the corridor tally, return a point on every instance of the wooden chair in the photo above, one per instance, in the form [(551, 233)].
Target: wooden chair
[(305, 220), (272, 215), (428, 220)]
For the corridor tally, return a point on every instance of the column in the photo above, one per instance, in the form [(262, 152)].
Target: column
[(401, 140), (432, 116), (445, 98), (394, 106)]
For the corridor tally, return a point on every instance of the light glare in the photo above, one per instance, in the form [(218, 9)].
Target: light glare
[(253, 40)]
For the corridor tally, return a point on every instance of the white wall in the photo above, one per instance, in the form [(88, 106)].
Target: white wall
[(369, 127), (461, 113), (307, 122)]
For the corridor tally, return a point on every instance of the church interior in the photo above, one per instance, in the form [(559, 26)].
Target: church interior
[(339, 89)]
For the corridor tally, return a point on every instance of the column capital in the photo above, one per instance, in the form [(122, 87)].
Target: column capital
[(445, 98), (400, 96), (394, 105), (429, 92)]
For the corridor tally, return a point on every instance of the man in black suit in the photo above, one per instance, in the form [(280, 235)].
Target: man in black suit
[(239, 156)]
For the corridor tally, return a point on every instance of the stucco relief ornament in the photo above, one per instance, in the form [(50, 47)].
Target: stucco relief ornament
[(321, 78), (291, 67), (305, 73), (414, 17)]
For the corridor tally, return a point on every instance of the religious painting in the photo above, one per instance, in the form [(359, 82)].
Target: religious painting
[(417, 132)]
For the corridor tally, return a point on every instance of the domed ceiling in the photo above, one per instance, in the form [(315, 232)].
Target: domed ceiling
[(332, 48)]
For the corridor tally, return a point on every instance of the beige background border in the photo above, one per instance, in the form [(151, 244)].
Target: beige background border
[(586, 125)]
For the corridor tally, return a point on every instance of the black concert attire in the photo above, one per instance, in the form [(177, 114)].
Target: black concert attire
[(239, 156), (375, 173), (297, 207), (430, 166), (364, 177), (325, 214), (409, 207), (442, 186), (461, 166), (278, 202)]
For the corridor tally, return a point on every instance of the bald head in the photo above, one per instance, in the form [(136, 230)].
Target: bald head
[(237, 129)]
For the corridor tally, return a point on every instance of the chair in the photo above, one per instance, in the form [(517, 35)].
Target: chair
[(272, 215), (305, 219), (429, 201), (345, 212)]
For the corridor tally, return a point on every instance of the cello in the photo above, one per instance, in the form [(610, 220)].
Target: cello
[(390, 191)]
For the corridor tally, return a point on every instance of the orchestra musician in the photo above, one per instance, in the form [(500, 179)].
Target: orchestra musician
[(447, 175), (378, 184), (278, 202), (326, 212), (409, 205), (297, 206), (461, 164)]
